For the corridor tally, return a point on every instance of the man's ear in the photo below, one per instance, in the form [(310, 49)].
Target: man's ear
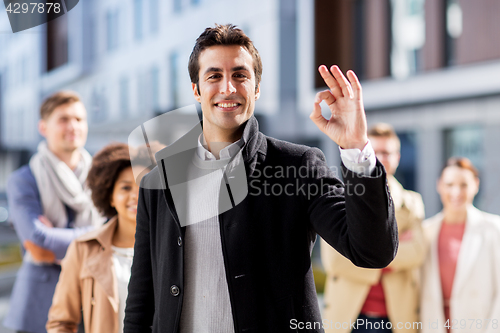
[(257, 92), (42, 128), (196, 94)]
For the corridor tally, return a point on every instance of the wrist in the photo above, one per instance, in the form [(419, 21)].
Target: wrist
[(355, 145)]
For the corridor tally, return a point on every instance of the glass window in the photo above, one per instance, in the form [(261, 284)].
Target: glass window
[(155, 91), (111, 30), (57, 42), (466, 141), (177, 5), (124, 97), (174, 79), (138, 19), (407, 169), (154, 13), (408, 36)]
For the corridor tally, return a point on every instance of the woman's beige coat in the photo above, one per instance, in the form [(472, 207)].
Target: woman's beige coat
[(347, 286), (475, 295), (87, 282)]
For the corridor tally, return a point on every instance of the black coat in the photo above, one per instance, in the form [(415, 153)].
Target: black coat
[(266, 239)]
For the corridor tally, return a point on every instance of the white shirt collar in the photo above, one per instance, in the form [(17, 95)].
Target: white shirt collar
[(225, 153)]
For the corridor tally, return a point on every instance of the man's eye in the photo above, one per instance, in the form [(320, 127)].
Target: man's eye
[(240, 75), (214, 76)]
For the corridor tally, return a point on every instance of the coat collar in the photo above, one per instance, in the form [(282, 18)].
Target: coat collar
[(103, 235), (252, 139), (103, 274)]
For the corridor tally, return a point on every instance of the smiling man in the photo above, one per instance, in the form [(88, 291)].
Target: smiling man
[(50, 206), (199, 267)]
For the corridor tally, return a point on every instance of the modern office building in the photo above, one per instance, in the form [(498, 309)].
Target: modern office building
[(429, 67)]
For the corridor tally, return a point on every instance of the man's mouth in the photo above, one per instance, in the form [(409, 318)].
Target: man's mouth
[(227, 106)]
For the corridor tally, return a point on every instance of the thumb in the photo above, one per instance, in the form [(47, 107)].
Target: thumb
[(317, 117)]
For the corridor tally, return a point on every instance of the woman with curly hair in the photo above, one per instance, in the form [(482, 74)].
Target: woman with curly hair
[(96, 269)]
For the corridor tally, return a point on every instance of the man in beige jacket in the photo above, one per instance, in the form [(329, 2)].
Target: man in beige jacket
[(379, 300)]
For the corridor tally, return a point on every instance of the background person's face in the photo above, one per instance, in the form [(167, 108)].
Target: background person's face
[(66, 128), (457, 188), (227, 88), (387, 152), (125, 196)]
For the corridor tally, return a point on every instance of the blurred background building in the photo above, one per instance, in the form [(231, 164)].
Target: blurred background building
[(429, 67)]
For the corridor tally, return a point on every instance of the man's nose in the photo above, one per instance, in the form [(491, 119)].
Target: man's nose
[(227, 87), (72, 124)]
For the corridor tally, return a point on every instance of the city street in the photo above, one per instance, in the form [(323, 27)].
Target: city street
[(7, 278), (7, 275)]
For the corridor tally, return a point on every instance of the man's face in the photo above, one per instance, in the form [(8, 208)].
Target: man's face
[(387, 152), (66, 128), (227, 88)]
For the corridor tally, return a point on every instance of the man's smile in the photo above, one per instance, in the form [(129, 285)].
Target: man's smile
[(227, 106)]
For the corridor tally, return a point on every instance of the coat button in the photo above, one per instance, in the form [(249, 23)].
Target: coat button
[(174, 290), (179, 241)]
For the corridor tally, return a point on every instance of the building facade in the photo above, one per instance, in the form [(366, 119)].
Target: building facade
[(431, 68)]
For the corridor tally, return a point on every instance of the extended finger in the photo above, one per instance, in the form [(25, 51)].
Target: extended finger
[(330, 81), (342, 81), (356, 85), (325, 95)]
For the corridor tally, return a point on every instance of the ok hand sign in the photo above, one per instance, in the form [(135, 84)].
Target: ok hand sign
[(347, 124)]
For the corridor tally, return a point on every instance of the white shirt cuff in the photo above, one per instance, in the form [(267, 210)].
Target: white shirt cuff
[(361, 162)]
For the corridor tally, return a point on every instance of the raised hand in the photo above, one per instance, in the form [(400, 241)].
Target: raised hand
[(347, 124)]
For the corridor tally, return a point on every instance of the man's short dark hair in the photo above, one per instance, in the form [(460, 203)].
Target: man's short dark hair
[(225, 35), (55, 100)]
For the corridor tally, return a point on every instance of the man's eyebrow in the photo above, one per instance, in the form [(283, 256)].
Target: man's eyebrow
[(218, 70), (213, 69), (240, 68)]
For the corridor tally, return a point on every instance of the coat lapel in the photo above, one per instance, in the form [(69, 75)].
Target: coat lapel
[(469, 250), (433, 233), (103, 274)]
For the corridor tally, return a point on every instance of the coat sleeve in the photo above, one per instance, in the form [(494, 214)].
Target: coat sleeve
[(139, 310), (355, 217), (25, 207), (494, 316), (65, 312)]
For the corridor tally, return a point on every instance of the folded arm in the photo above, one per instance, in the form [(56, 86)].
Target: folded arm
[(25, 209)]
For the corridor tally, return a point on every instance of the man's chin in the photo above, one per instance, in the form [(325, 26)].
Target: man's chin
[(71, 147)]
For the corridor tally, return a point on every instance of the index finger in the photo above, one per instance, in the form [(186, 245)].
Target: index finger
[(342, 81), (330, 81)]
